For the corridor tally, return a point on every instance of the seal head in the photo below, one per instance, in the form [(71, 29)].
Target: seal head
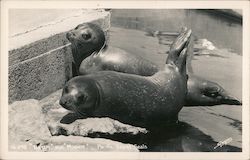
[(78, 96), (206, 93), (85, 39)]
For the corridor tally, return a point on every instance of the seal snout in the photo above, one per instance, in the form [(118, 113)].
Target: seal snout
[(64, 103), (70, 35), (230, 100)]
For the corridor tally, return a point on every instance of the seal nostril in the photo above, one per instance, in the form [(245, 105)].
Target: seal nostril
[(61, 102), (70, 35)]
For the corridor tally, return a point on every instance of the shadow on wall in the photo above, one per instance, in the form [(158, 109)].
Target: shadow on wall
[(219, 26)]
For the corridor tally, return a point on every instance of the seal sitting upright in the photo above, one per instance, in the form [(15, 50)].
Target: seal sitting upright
[(133, 99)]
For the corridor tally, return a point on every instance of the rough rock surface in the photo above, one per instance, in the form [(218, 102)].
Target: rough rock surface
[(26, 121), (34, 126), (90, 126)]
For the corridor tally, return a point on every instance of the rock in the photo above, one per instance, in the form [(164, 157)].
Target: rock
[(204, 44), (89, 126), (51, 108), (26, 121)]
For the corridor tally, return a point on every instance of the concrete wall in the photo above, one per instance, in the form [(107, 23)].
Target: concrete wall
[(222, 27), (39, 53)]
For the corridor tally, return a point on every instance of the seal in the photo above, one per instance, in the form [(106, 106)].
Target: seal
[(91, 53), (202, 92), (129, 98)]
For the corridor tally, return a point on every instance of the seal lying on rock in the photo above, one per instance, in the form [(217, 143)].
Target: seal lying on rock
[(94, 55), (133, 99)]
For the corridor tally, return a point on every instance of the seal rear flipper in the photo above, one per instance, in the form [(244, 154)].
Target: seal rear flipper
[(181, 62), (178, 45), (190, 55)]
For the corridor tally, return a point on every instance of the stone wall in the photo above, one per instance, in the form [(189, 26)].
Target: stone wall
[(40, 55)]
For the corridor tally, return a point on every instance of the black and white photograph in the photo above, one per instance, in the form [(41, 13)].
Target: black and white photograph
[(152, 80)]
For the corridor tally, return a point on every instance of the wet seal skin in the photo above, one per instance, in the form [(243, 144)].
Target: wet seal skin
[(95, 55), (133, 99)]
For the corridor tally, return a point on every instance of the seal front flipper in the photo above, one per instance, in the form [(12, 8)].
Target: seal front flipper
[(71, 117)]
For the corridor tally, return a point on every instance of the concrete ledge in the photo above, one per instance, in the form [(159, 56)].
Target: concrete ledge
[(40, 65)]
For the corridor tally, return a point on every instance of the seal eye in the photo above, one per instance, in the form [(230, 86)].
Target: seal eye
[(86, 36), (212, 94), (81, 98)]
